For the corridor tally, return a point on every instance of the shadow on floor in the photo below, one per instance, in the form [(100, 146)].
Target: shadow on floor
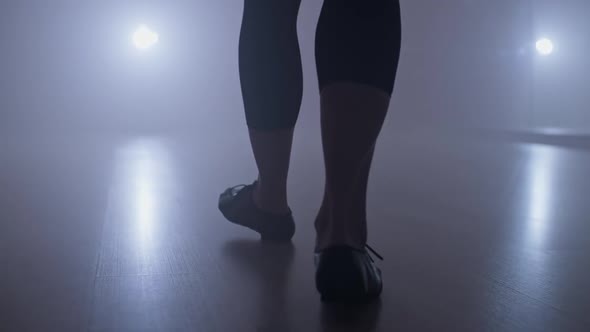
[(269, 265), (350, 317)]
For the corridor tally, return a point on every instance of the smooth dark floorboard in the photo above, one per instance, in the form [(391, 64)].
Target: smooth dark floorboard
[(105, 232)]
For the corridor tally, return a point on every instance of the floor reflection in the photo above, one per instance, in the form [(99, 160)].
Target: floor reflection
[(269, 265), (343, 317), (142, 188), (539, 200), (145, 192)]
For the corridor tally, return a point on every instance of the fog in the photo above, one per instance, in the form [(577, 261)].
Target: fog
[(465, 63)]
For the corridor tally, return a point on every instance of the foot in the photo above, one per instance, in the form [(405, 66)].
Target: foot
[(238, 206), (344, 273)]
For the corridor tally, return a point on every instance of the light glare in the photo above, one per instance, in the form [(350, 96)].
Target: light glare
[(545, 46), (144, 38)]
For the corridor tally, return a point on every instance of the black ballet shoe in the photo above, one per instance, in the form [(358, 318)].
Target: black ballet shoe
[(236, 205), (346, 274)]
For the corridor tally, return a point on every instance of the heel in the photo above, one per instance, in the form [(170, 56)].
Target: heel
[(338, 278)]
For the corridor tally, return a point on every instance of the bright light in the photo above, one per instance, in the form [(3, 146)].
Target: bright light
[(544, 46), (144, 38)]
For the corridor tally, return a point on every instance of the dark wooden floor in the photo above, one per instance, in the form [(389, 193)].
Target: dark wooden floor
[(104, 232)]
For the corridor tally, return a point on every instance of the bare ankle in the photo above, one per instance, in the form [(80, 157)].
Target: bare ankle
[(324, 242), (331, 244), (269, 203)]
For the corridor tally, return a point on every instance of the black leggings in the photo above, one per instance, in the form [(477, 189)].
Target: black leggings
[(356, 41)]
